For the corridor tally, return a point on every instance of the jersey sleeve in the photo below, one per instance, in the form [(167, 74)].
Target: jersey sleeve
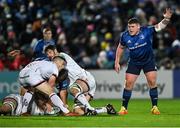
[(150, 29), (122, 43)]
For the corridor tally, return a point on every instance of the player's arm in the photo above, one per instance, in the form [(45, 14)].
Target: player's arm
[(167, 16), (52, 81), (119, 52), (63, 95), (22, 91)]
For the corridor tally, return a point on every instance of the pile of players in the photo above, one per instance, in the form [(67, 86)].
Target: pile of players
[(38, 81)]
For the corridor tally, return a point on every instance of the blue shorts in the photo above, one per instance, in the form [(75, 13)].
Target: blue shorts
[(136, 69)]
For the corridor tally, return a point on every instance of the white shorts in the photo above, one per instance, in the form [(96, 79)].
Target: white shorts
[(16, 109), (88, 78), (91, 83)]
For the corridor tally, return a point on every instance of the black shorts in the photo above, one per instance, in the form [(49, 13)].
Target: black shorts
[(136, 69)]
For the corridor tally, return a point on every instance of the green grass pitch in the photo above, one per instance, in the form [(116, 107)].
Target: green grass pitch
[(139, 116)]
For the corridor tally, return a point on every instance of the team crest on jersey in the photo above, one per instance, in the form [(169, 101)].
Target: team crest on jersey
[(141, 37)]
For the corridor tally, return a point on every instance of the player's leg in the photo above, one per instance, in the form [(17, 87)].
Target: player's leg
[(26, 100), (8, 106), (132, 74), (78, 89), (151, 76), (45, 88)]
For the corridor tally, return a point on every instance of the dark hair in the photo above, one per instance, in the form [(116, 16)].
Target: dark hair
[(46, 29), (49, 47), (63, 75), (133, 21)]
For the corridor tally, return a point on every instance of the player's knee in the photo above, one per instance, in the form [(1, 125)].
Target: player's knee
[(129, 84), (75, 88), (152, 83)]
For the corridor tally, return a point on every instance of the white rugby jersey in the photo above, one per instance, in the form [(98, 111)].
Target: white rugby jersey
[(36, 72), (74, 70)]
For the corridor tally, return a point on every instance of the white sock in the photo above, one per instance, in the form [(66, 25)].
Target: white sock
[(101, 110), (26, 100), (58, 102), (83, 100)]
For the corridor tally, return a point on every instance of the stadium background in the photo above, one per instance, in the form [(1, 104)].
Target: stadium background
[(88, 30)]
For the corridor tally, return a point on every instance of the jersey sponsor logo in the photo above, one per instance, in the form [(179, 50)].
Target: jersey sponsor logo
[(137, 46)]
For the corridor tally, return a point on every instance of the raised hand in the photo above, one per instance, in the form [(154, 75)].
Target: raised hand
[(168, 13)]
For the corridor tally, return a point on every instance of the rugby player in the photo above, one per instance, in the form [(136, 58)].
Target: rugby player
[(138, 40), (42, 76), (12, 105), (81, 84)]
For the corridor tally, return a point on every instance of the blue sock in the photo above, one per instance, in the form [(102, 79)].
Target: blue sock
[(154, 96), (126, 97)]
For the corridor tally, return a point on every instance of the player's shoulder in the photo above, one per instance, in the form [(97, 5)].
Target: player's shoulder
[(64, 55), (125, 33), (13, 96), (40, 41), (144, 28)]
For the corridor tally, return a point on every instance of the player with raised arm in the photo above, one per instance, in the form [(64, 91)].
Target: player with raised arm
[(139, 42), (81, 84)]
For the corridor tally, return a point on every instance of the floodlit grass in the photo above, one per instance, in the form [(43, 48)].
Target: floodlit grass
[(139, 116)]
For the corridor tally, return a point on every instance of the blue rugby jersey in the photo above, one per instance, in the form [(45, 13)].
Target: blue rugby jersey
[(39, 47), (140, 45)]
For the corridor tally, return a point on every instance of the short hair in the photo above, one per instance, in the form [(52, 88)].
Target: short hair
[(133, 21), (46, 29), (49, 47), (63, 75), (59, 57)]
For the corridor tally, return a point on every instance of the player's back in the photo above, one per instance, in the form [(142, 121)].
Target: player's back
[(74, 70), (37, 71)]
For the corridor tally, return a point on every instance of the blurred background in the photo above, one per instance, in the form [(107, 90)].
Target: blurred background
[(88, 30)]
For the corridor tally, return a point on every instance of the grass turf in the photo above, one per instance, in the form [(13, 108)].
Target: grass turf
[(139, 116)]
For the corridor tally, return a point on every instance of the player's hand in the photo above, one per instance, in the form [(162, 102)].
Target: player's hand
[(71, 114), (14, 53), (168, 13), (117, 67)]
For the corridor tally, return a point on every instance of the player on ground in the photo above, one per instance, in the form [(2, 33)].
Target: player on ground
[(42, 76), (81, 84), (139, 42), (12, 105)]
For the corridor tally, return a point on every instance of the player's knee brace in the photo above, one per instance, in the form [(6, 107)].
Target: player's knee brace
[(10, 103), (75, 88)]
